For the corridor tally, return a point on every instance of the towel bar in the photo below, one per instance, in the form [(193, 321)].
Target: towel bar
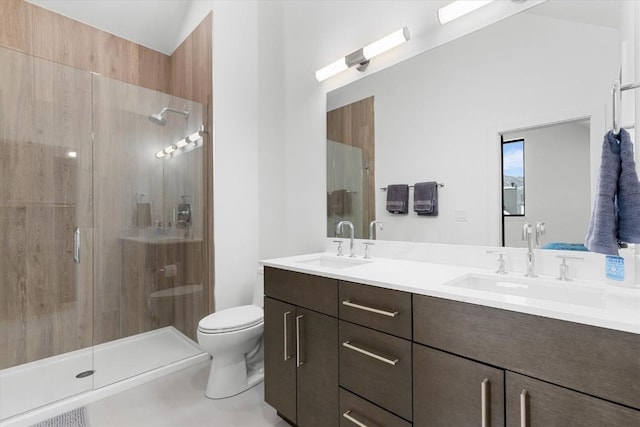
[(440, 185)]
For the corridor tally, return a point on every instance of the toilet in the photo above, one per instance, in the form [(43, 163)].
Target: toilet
[(233, 337)]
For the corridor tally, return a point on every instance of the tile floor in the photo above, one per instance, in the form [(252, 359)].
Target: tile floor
[(177, 400)]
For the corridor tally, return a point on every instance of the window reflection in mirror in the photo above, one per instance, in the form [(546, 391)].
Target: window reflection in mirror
[(513, 177)]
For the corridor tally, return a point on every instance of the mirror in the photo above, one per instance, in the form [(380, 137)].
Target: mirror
[(442, 116)]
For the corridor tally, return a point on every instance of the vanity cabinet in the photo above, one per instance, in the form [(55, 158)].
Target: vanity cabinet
[(574, 374), (346, 354), (532, 403), (449, 391), (301, 341)]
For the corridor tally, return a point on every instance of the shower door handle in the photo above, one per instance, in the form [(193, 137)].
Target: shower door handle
[(76, 245)]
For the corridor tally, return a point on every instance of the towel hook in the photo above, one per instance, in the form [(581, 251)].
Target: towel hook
[(616, 95)]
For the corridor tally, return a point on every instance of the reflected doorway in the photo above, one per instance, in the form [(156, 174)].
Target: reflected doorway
[(555, 160)]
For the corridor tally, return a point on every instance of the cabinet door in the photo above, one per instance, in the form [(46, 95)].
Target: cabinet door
[(547, 405), (279, 357), (451, 391), (317, 359)]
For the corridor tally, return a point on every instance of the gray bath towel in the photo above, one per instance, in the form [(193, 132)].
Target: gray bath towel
[(628, 193), (425, 198), (398, 198), (603, 227)]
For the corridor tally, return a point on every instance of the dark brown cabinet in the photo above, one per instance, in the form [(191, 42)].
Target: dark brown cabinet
[(534, 403), (343, 354), (452, 391), (301, 350)]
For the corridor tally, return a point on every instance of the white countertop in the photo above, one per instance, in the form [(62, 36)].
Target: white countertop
[(608, 306)]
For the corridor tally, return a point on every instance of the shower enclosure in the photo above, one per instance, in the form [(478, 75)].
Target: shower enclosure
[(101, 273)]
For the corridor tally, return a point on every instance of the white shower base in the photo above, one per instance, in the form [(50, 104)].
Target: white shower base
[(38, 390)]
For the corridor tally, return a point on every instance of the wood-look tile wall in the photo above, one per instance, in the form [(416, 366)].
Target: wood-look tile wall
[(44, 34), (56, 302)]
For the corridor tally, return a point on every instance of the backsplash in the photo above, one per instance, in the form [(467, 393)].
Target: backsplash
[(591, 267)]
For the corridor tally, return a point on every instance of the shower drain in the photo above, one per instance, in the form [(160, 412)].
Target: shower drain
[(85, 374)]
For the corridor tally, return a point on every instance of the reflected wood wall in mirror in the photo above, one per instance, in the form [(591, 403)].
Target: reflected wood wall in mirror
[(351, 166), (440, 114)]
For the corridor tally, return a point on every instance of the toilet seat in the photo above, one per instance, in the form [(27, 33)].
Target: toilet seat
[(231, 319)]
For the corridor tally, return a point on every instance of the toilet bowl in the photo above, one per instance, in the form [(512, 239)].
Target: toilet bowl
[(233, 338)]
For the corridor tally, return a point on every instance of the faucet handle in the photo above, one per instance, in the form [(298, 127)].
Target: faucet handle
[(501, 261), (526, 230), (540, 231), (339, 242), (366, 249), (564, 267)]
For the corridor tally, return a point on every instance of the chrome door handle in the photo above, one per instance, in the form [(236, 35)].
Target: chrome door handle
[(286, 336), (484, 389), (350, 346), (76, 245), (351, 418), (370, 309), (299, 361), (523, 408)]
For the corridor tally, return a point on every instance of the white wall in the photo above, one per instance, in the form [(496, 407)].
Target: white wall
[(557, 180), (248, 140), (434, 112)]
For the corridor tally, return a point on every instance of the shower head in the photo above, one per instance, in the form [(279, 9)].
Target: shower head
[(158, 118)]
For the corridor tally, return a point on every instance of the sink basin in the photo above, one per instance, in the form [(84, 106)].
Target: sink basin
[(515, 289), (326, 261)]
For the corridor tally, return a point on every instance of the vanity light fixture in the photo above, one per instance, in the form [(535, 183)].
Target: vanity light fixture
[(361, 57), (459, 8), (186, 143)]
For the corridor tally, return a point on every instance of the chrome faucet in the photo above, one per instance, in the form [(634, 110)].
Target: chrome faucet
[(528, 236), (372, 227), (352, 247)]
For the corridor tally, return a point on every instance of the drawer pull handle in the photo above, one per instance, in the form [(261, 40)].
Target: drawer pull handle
[(523, 408), (299, 361), (351, 418), (350, 346), (287, 356), (485, 401), (370, 309)]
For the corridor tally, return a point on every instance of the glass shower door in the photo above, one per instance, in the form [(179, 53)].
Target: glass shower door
[(46, 276)]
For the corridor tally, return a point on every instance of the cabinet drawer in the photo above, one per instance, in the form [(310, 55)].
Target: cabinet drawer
[(597, 361), (364, 412), (552, 406), (305, 290), (376, 366), (382, 309)]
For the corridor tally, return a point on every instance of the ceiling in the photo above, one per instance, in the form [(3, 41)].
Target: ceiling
[(155, 24)]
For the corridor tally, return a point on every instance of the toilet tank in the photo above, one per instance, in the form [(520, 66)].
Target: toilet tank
[(258, 293)]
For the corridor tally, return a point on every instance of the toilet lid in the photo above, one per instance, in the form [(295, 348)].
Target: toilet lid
[(231, 319)]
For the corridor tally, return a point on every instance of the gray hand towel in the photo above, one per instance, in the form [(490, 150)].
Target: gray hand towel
[(425, 198), (602, 233), (628, 193), (398, 198)]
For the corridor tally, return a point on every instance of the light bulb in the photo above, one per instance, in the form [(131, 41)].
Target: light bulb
[(331, 70), (459, 8), (386, 43)]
